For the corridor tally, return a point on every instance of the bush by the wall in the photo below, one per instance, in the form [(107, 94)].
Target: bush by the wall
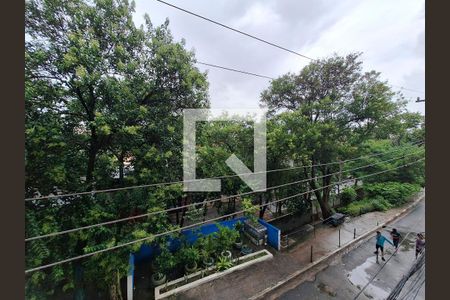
[(395, 193), (379, 197), (348, 195), (360, 193), (367, 205)]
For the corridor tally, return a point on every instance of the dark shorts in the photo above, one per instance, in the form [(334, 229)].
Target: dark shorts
[(379, 247), (395, 242)]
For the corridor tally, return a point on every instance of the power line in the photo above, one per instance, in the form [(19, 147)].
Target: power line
[(216, 177), (415, 285), (407, 89), (256, 38), (204, 202), (236, 30), (272, 78), (378, 272), (418, 268), (196, 224), (234, 70), (418, 289)]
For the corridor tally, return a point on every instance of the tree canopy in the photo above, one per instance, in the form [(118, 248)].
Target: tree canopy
[(100, 92), (104, 101)]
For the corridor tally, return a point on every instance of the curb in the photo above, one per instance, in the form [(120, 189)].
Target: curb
[(346, 246)]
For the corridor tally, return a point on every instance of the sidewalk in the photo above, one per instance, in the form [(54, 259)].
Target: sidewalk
[(253, 280)]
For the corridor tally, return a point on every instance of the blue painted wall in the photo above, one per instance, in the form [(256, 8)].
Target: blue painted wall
[(273, 234), (191, 235)]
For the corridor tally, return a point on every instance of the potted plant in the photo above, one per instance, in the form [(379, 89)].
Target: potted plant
[(238, 242), (246, 249), (206, 244), (238, 227), (165, 262), (189, 256), (208, 260), (249, 210), (225, 238), (223, 264), (225, 254)]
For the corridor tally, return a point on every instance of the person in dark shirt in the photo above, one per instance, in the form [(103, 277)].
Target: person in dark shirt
[(395, 237)]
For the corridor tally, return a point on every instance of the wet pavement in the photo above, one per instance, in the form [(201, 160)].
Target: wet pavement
[(333, 282), (348, 274)]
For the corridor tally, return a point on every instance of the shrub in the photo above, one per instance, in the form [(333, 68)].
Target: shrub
[(223, 263), (249, 209), (348, 195), (395, 193), (225, 238), (239, 226), (380, 204), (366, 205), (189, 255), (207, 246), (166, 261), (360, 193)]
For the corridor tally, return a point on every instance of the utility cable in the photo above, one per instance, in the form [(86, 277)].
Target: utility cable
[(153, 236), (234, 70), (235, 30), (205, 202), (216, 177), (253, 37), (376, 274)]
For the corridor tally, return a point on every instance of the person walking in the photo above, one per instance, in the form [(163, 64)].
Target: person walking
[(395, 238), (380, 244), (420, 244)]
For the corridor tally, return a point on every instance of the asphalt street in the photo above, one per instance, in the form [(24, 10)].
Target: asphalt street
[(348, 274)]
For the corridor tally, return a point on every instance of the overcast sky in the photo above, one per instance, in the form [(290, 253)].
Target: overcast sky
[(391, 35)]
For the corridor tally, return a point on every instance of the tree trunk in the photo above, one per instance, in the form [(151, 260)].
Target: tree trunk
[(322, 198), (262, 209), (120, 158), (79, 293), (205, 210), (93, 149), (115, 292), (177, 213), (183, 214), (324, 204)]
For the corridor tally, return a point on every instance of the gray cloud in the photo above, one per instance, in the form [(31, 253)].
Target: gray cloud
[(390, 33)]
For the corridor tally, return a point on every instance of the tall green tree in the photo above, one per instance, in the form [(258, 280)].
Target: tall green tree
[(99, 92), (326, 110)]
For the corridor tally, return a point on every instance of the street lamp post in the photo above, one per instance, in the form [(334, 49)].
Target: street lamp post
[(420, 100)]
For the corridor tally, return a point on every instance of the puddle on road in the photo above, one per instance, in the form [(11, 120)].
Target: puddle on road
[(326, 289), (359, 278), (407, 245)]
